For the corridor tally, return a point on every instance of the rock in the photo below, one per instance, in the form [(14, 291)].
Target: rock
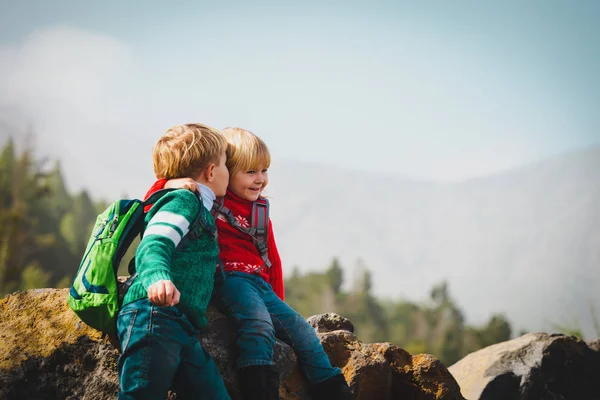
[(594, 345), (536, 366), (46, 352), (330, 322), (385, 371)]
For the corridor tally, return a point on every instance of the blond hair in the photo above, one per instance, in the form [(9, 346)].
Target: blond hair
[(245, 151), (185, 150)]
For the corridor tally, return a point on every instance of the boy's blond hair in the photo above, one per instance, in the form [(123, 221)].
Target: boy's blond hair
[(245, 151), (185, 150)]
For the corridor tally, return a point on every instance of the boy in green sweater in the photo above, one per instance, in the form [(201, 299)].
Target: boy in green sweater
[(166, 305)]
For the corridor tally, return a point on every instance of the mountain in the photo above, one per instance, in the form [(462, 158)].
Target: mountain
[(525, 242)]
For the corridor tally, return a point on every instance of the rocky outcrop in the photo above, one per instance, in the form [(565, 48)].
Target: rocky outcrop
[(536, 366), (329, 322), (46, 352), (385, 371)]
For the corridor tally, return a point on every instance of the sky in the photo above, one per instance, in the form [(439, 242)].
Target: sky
[(433, 90)]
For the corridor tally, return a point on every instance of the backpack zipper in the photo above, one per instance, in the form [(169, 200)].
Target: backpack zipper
[(113, 226), (97, 237), (101, 228)]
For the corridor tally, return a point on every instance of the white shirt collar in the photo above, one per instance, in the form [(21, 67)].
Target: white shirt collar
[(208, 196)]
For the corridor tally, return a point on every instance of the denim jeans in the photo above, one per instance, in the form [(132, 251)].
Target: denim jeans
[(260, 316), (160, 350)]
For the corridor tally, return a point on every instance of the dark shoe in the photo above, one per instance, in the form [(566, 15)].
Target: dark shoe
[(259, 382), (334, 388)]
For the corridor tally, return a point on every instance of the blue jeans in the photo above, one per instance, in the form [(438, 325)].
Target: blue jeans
[(160, 350), (260, 316)]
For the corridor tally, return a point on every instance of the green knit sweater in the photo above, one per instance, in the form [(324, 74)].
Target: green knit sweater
[(166, 253)]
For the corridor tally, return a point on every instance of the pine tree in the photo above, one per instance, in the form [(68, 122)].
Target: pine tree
[(28, 230), (58, 199), (335, 276), (7, 162), (76, 224)]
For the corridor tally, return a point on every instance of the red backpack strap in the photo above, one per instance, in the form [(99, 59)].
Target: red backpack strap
[(260, 225)]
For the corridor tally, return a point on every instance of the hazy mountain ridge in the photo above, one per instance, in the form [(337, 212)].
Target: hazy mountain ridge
[(526, 242)]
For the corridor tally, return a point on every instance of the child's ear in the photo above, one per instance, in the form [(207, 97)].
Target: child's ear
[(209, 172)]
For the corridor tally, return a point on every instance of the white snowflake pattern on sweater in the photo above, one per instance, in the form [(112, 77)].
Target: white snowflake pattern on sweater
[(242, 221), (243, 267)]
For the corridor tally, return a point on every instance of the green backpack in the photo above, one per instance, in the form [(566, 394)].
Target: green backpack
[(95, 296)]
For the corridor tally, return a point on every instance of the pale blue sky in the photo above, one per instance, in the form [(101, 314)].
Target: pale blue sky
[(435, 90)]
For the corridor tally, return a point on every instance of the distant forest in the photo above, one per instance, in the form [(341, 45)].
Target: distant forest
[(44, 230)]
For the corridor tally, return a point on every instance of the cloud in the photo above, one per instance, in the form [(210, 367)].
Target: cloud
[(70, 87), (64, 70)]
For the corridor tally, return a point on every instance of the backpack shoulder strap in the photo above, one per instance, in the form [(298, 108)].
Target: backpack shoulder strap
[(260, 216), (260, 223), (154, 197), (201, 221), (219, 208)]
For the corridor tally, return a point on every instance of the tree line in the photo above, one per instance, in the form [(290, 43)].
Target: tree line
[(436, 325), (43, 228)]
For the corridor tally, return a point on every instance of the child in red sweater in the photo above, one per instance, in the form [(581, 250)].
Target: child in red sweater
[(252, 291)]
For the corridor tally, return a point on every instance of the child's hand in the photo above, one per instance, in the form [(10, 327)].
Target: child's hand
[(182, 183), (163, 293)]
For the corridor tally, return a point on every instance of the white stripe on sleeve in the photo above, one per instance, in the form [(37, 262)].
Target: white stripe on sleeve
[(164, 230), (171, 218)]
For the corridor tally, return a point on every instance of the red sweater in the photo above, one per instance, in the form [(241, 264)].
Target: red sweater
[(236, 249)]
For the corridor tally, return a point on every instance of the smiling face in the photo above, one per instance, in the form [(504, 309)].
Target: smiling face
[(249, 184)]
